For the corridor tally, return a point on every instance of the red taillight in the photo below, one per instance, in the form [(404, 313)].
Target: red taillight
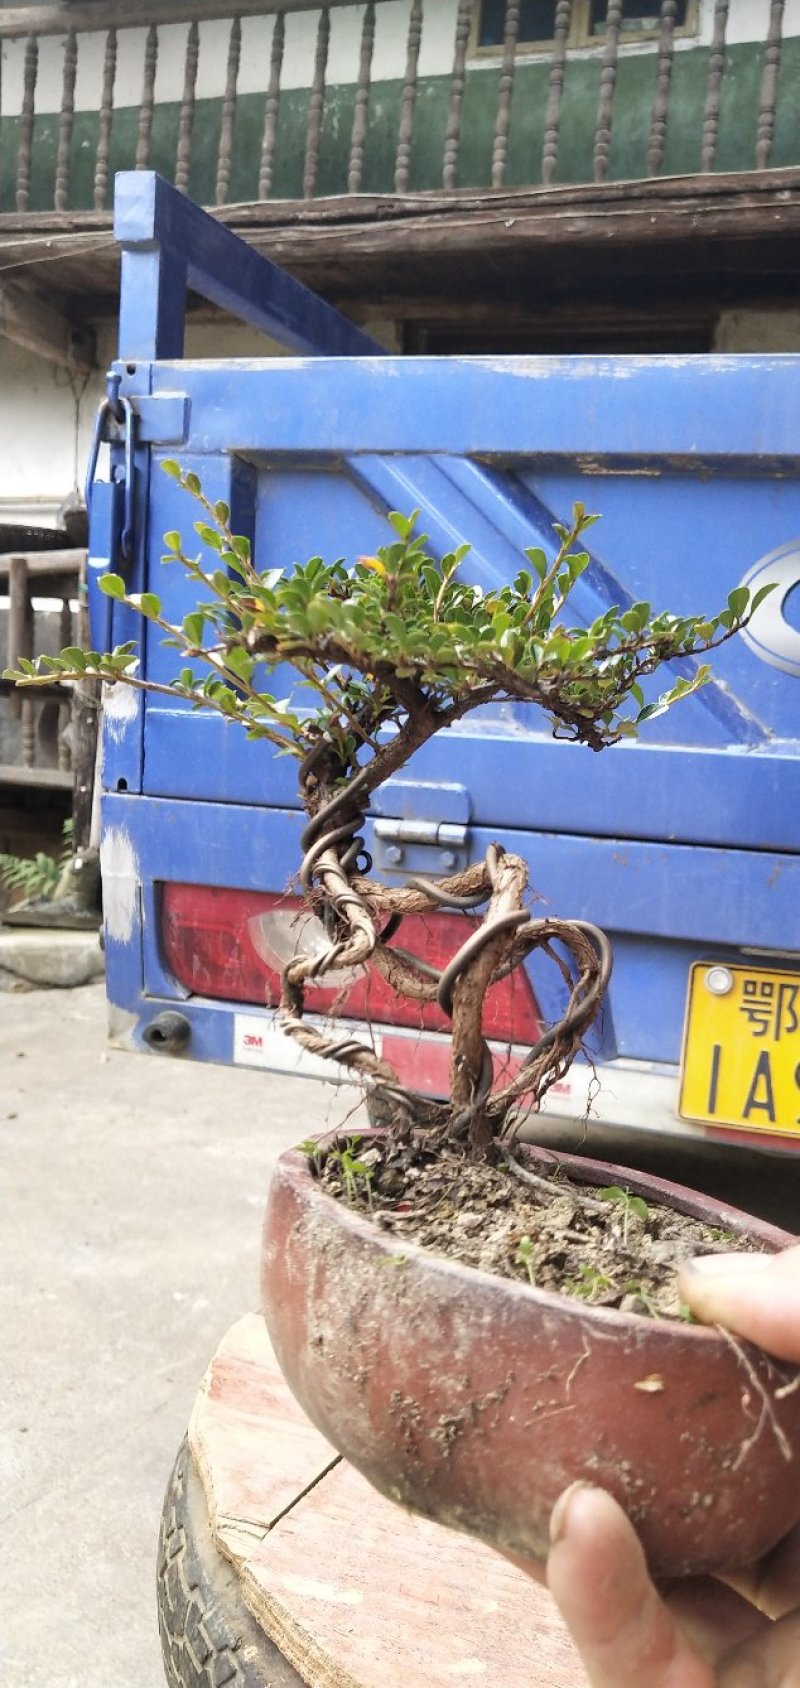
[(229, 945)]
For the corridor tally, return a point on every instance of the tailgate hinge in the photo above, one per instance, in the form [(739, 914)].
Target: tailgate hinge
[(407, 843)]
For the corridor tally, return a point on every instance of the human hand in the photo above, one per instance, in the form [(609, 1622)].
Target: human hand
[(742, 1631)]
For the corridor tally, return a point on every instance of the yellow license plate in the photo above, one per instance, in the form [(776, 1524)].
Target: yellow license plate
[(741, 1049)]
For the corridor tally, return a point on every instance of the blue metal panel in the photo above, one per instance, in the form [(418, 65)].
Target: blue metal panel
[(698, 797), (694, 412)]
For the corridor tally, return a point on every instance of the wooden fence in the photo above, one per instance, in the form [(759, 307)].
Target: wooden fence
[(515, 113), (49, 733)]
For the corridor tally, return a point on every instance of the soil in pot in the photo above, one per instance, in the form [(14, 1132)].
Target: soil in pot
[(605, 1246)]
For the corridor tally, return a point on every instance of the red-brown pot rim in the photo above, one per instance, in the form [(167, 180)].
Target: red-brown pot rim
[(294, 1163)]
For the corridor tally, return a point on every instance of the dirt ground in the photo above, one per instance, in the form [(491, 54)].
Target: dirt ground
[(132, 1192)]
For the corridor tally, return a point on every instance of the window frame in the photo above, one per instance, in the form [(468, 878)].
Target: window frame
[(579, 35)]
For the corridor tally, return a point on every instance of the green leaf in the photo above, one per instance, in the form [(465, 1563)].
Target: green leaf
[(209, 535), (112, 585), (397, 628), (240, 662), (635, 618), (537, 560), (241, 546), (318, 615), (171, 468), (510, 645), (74, 656), (737, 601), (192, 483), (173, 541), (762, 593), (403, 525), (222, 511), (577, 564), (432, 578), (148, 604), (581, 648), (193, 626)]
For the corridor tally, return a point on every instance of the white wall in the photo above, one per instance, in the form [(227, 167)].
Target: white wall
[(776, 330), (45, 430)]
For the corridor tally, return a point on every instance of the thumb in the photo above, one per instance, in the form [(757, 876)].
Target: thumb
[(597, 1575), (756, 1296)]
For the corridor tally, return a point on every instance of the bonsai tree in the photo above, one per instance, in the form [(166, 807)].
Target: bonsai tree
[(387, 653), (473, 1399)]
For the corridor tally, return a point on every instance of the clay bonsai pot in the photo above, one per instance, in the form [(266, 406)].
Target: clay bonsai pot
[(475, 1399)]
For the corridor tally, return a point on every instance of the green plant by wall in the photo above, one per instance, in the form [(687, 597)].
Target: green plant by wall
[(30, 878)]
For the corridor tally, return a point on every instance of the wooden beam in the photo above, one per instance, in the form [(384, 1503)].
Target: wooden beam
[(56, 19), (43, 328), (495, 244), (55, 563), (54, 693), (47, 779)]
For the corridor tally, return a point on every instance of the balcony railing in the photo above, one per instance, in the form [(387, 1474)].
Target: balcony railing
[(255, 102)]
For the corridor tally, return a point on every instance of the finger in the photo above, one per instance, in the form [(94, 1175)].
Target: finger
[(713, 1615), (755, 1295), (771, 1661), (624, 1632), (773, 1585)]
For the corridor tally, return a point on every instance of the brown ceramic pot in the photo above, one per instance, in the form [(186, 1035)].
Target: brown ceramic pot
[(476, 1399)]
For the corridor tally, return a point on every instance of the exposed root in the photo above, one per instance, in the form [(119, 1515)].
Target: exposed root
[(767, 1413), (355, 910)]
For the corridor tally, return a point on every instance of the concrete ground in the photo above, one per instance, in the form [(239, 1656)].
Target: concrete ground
[(132, 1193)]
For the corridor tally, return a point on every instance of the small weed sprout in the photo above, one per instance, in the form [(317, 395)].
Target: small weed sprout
[(590, 1283), (315, 1152), (630, 1206), (523, 1256), (643, 1295), (352, 1169)]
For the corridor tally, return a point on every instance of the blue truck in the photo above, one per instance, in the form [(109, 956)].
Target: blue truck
[(683, 845)]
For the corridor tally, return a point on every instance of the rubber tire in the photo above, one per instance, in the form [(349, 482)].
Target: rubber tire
[(209, 1639)]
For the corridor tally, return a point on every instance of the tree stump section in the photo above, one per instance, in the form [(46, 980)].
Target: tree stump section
[(354, 1592)]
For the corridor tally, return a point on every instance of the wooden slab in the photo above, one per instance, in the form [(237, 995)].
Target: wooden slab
[(253, 1446), (355, 1592)]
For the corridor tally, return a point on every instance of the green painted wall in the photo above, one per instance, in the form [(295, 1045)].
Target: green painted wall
[(632, 109)]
